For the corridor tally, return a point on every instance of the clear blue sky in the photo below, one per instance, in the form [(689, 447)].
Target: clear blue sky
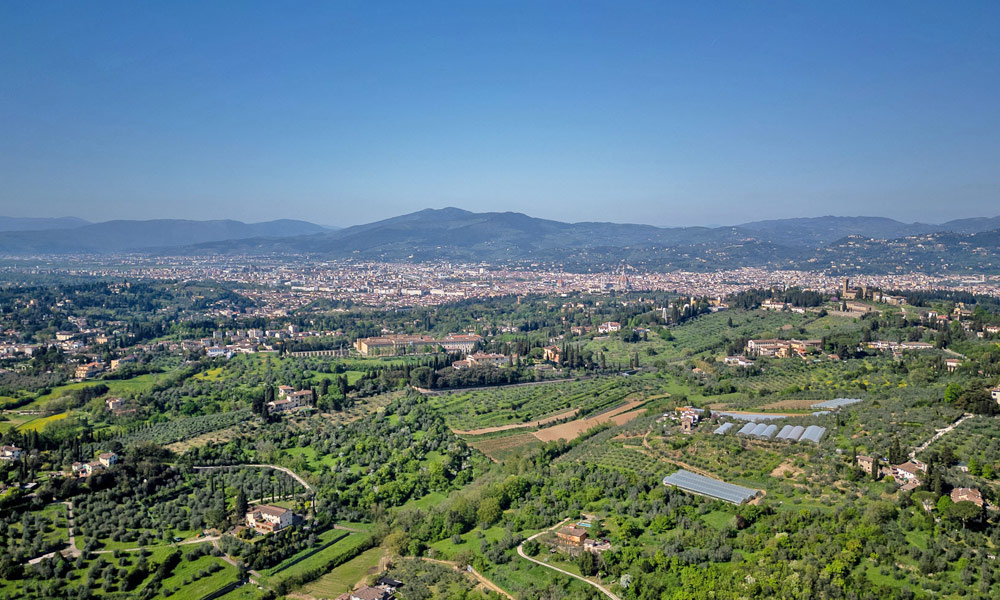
[(345, 112)]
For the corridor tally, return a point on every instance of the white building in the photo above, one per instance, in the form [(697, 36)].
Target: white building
[(267, 518), (10, 453)]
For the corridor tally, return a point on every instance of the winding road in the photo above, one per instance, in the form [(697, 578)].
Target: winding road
[(520, 551)]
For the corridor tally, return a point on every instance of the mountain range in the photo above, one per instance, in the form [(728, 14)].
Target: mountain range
[(847, 244), (47, 237)]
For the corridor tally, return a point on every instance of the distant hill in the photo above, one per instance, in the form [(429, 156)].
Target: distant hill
[(842, 244), (455, 234), (120, 236), (817, 231), (39, 224), (974, 225)]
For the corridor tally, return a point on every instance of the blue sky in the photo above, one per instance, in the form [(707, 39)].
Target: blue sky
[(346, 112)]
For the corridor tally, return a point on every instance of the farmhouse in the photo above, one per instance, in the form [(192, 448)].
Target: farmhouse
[(995, 394), (81, 469), (552, 353), (967, 495), (125, 360), (574, 536), (486, 359), (738, 361), (290, 401), (367, 592), (908, 472), (107, 459), (10, 453), (609, 326), (267, 518), (781, 348), (867, 464), (89, 370)]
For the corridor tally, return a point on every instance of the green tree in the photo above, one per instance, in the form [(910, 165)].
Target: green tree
[(489, 511), (241, 504), (952, 392), (587, 563)]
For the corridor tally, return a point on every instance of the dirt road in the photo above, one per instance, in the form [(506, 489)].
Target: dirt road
[(520, 551)]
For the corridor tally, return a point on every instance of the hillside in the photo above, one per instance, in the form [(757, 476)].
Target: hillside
[(841, 243), (122, 235)]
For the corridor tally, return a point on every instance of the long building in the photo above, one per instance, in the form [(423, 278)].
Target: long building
[(393, 344), (706, 486)]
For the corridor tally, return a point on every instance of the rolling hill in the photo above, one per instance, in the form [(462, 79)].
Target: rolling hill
[(121, 236)]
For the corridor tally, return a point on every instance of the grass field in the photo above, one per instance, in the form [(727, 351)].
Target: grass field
[(499, 447), (297, 564), (186, 580), (115, 387), (343, 578), (14, 421), (40, 423), (479, 409)]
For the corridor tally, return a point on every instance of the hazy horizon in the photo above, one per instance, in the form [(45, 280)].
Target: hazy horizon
[(343, 225)]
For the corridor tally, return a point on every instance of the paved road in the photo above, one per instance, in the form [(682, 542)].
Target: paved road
[(520, 551), (289, 472), (940, 433)]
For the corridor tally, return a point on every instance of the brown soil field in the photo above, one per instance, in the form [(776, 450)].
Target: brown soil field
[(572, 429), (787, 466)]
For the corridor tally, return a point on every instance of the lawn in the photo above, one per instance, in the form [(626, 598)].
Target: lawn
[(343, 578), (717, 519), (430, 500), (470, 541), (309, 454)]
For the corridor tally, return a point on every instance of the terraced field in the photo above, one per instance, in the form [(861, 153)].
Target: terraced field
[(479, 409)]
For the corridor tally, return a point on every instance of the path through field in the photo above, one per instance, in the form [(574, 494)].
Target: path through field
[(940, 433), (471, 571)]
